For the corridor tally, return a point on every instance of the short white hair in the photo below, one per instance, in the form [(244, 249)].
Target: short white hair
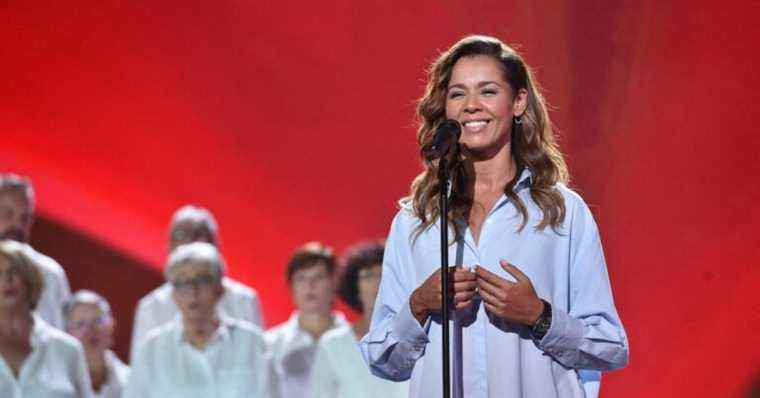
[(86, 297), (10, 182), (196, 215), (196, 253)]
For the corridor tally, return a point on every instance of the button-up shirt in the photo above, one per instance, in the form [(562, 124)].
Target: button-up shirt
[(340, 372), (56, 367), (490, 356), (116, 379), (157, 308), (233, 364), (55, 292), (292, 350)]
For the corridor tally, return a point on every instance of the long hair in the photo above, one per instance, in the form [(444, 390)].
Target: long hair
[(533, 145)]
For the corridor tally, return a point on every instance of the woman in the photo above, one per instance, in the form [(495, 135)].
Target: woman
[(88, 318), (533, 309), (203, 353), (36, 360), (338, 367)]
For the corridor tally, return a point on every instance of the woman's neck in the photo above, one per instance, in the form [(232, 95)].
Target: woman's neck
[(96, 363), (315, 324), (199, 332), (361, 327), (491, 173), (16, 322)]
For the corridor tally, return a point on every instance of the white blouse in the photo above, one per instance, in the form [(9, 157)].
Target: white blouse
[(56, 290), (292, 350), (340, 370), (56, 367), (232, 365), (158, 308)]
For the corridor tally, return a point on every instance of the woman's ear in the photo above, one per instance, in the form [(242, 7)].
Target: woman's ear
[(520, 103)]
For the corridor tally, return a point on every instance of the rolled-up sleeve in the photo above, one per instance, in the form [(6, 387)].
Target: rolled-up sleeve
[(589, 335), (396, 339)]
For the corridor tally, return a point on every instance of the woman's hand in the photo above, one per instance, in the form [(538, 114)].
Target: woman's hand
[(426, 299), (513, 301)]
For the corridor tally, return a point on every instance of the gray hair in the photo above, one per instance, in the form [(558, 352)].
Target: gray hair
[(196, 215), (86, 297), (10, 182), (197, 253)]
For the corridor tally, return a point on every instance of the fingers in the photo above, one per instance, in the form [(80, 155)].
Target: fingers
[(462, 274), (483, 274), (490, 292), (512, 270)]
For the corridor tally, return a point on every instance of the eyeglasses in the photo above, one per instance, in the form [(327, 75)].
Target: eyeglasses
[(84, 325), (187, 285)]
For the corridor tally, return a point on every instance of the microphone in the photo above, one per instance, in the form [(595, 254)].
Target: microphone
[(446, 136)]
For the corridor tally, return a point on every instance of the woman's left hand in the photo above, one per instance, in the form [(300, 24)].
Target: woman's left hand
[(513, 301)]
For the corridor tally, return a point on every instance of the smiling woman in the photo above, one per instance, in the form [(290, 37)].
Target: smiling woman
[(545, 328)]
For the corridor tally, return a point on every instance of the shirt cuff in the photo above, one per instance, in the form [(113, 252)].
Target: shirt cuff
[(564, 335), (408, 330)]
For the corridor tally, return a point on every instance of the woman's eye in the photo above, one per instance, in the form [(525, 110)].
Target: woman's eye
[(489, 92), (455, 95)]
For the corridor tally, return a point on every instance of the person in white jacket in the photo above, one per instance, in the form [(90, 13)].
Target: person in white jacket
[(89, 319), (193, 224), (203, 353), (339, 369), (16, 219), (36, 359)]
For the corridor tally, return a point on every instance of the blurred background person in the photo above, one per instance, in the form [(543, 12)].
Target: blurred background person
[(36, 360), (89, 319), (16, 218), (203, 353), (193, 224), (339, 369), (310, 275)]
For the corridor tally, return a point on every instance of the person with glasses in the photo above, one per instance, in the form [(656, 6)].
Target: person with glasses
[(193, 224), (89, 319), (292, 344), (203, 352), (36, 359), (16, 219), (339, 370)]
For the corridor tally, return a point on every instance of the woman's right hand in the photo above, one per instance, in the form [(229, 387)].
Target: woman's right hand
[(426, 299)]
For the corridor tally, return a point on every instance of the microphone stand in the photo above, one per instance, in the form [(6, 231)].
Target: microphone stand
[(443, 181)]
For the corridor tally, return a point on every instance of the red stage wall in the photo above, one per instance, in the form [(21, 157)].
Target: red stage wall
[(293, 121)]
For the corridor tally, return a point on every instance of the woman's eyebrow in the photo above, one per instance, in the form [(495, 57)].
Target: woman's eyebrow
[(480, 84)]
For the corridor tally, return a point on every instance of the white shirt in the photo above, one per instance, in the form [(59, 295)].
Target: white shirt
[(116, 380), (157, 308), (232, 365), (56, 291), (490, 356), (56, 367), (340, 371), (292, 350)]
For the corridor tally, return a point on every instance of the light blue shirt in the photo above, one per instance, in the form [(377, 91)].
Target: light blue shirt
[(491, 357)]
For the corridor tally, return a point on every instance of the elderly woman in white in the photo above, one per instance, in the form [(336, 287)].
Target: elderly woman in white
[(202, 353), (339, 370), (88, 318), (36, 359)]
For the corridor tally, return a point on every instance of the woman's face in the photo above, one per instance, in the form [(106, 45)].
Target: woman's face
[(91, 326), (312, 289), (483, 103), (369, 282), (196, 290), (13, 291)]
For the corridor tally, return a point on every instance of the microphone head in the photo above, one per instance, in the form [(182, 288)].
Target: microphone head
[(446, 135), (451, 127)]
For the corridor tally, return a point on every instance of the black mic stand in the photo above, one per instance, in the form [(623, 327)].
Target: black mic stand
[(443, 205)]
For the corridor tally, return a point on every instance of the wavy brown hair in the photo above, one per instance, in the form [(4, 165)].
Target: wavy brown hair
[(533, 142)]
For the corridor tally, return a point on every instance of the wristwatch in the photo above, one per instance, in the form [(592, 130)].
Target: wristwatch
[(543, 323)]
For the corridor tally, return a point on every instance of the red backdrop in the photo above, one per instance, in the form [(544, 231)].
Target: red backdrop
[(294, 122)]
